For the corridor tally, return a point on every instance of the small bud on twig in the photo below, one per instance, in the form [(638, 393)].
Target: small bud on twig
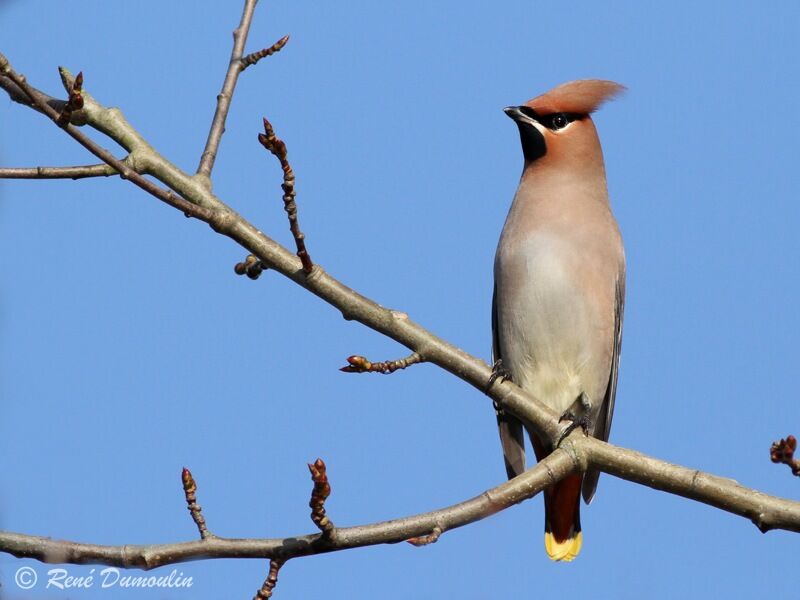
[(75, 101), (190, 491), (424, 540), (320, 493), (252, 267), (359, 364), (783, 452), (254, 57), (271, 142)]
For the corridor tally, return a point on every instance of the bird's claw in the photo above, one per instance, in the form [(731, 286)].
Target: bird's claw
[(583, 422), (498, 372)]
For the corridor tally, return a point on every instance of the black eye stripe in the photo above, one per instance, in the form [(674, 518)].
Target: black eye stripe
[(556, 121), (553, 121)]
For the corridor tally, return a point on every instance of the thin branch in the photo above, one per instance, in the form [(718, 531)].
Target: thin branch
[(76, 172), (764, 511), (275, 145), (577, 453), (783, 452), (359, 364), (226, 95), (271, 581), (254, 57), (37, 99), (552, 469), (190, 492), (17, 95)]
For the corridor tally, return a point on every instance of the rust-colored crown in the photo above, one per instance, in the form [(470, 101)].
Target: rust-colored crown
[(583, 96)]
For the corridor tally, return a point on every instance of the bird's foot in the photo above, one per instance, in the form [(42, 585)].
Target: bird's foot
[(583, 422), (498, 372)]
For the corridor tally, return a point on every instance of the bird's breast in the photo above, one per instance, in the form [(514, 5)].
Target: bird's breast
[(548, 326)]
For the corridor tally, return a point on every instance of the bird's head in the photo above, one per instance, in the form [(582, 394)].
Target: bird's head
[(556, 128)]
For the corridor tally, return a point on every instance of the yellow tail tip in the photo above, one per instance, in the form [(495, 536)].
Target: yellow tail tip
[(566, 550)]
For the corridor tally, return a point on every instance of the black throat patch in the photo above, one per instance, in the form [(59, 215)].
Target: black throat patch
[(533, 146)]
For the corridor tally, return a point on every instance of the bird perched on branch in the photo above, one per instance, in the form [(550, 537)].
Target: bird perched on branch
[(559, 289)]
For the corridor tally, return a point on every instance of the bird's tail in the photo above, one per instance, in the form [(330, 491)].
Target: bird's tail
[(562, 513), (562, 519)]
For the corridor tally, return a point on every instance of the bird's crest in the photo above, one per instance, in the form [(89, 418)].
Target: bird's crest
[(583, 96)]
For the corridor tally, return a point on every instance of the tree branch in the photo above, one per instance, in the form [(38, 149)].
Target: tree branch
[(76, 172), (271, 581), (39, 101), (552, 469), (226, 95)]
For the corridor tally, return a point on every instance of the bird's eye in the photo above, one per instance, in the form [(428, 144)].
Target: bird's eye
[(559, 121)]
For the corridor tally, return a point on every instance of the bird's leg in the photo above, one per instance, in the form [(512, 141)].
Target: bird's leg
[(498, 372), (501, 373), (584, 422)]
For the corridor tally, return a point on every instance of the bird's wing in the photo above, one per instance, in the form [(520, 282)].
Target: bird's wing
[(603, 424), (509, 426)]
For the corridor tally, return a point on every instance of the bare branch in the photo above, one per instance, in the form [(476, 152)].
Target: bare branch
[(190, 491), (76, 172), (783, 452), (17, 95), (271, 581), (276, 146), (37, 99), (359, 364), (765, 511), (226, 95), (551, 470)]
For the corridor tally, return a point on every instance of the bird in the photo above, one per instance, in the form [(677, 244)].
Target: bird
[(559, 290)]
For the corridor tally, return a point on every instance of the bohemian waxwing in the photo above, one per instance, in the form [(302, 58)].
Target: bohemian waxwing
[(559, 289)]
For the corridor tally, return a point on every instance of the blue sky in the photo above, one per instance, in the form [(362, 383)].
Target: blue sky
[(129, 349)]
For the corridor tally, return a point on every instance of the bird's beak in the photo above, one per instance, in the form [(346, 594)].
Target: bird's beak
[(513, 112), (520, 117)]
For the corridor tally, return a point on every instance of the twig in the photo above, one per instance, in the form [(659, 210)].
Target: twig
[(320, 493), (254, 57), (190, 491), (226, 94), (276, 146), (76, 172), (271, 581), (783, 452), (38, 99), (359, 364)]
